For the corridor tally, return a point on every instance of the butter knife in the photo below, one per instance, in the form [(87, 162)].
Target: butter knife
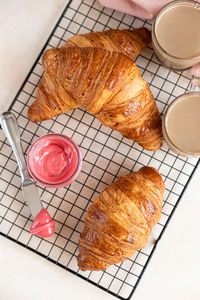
[(29, 189)]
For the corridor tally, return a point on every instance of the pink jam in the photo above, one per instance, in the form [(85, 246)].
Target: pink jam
[(43, 225), (54, 160)]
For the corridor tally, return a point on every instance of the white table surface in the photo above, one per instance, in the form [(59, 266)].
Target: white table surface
[(174, 271)]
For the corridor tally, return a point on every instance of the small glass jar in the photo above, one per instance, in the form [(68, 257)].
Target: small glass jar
[(172, 142), (54, 160), (162, 54)]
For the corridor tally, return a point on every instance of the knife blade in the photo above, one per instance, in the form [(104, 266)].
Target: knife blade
[(29, 190), (31, 196)]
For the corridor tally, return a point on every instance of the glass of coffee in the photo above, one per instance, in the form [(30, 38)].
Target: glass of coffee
[(181, 122), (176, 34)]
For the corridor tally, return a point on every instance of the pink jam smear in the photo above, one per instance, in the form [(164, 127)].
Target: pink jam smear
[(52, 160), (43, 225)]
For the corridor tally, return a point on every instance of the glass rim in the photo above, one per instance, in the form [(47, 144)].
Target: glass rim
[(163, 9), (59, 183), (164, 126)]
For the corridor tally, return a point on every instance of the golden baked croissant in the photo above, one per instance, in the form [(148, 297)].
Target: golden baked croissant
[(107, 84), (120, 220), (128, 42)]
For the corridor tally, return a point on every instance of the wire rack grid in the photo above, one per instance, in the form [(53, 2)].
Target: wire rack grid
[(106, 155)]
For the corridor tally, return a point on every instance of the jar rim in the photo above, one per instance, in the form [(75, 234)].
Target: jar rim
[(72, 176)]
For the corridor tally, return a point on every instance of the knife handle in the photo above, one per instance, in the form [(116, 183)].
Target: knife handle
[(10, 127)]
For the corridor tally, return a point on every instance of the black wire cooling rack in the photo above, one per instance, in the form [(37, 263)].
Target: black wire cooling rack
[(106, 156)]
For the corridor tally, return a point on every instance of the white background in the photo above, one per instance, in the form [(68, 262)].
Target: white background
[(174, 271)]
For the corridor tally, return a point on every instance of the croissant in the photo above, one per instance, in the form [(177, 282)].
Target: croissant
[(128, 42), (106, 83), (120, 220)]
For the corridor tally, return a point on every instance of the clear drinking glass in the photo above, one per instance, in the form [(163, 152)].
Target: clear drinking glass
[(165, 58), (193, 90)]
